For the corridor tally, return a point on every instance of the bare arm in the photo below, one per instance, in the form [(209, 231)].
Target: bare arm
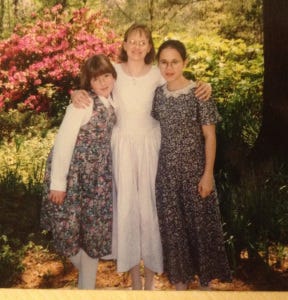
[(203, 90), (206, 184), (80, 98)]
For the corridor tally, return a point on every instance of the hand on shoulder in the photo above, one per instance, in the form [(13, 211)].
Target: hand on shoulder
[(203, 90), (80, 99)]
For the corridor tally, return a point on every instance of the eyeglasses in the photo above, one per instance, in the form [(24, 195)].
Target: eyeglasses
[(166, 64), (137, 43)]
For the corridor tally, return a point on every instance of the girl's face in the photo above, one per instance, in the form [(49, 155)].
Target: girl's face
[(137, 45), (102, 85), (171, 64)]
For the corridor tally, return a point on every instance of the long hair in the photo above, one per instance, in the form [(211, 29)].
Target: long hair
[(142, 29)]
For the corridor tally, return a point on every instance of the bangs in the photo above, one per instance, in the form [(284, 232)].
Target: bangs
[(100, 69), (141, 32), (95, 66)]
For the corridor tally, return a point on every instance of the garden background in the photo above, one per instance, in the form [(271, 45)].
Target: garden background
[(42, 45)]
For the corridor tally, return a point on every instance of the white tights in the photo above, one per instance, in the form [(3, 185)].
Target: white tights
[(87, 269)]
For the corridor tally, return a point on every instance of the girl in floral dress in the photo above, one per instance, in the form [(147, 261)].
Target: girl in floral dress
[(77, 202), (186, 199)]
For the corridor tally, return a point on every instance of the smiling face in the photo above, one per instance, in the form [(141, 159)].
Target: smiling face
[(98, 73), (102, 85), (171, 65), (137, 45)]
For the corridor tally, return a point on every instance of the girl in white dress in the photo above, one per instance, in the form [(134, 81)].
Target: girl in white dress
[(135, 146)]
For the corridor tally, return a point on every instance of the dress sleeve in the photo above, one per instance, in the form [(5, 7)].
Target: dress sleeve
[(208, 113), (155, 106), (64, 144)]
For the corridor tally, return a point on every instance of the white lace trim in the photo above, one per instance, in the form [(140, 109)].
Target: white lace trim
[(184, 91)]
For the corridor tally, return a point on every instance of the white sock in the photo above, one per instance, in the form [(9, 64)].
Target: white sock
[(87, 269), (76, 260), (87, 272)]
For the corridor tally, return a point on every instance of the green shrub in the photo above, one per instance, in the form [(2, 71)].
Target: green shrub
[(254, 207), (22, 163), (10, 261), (23, 155), (26, 124)]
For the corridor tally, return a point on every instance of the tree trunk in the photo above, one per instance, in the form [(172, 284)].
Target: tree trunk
[(273, 137), (15, 3), (2, 6)]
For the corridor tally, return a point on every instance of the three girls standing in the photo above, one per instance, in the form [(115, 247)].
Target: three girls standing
[(135, 147)]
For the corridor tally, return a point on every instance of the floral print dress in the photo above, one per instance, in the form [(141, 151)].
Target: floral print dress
[(190, 226), (84, 220)]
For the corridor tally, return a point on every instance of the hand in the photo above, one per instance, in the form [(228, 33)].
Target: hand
[(203, 90), (205, 186), (57, 197), (80, 98)]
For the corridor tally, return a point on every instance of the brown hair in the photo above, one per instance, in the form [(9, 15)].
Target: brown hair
[(141, 28), (174, 44), (95, 66)]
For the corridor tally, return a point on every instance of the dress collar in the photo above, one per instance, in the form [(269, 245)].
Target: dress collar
[(183, 91)]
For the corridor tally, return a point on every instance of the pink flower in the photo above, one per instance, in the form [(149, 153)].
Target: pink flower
[(37, 81), (55, 9), (46, 55)]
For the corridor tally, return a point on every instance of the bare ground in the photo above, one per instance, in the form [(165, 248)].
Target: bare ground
[(43, 269)]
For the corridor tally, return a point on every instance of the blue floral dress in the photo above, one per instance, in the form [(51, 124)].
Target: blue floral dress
[(190, 226), (84, 220)]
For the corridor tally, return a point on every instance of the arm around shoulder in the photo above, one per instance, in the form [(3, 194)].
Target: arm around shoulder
[(80, 98), (203, 90)]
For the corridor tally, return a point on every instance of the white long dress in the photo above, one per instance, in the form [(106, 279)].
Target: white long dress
[(135, 147)]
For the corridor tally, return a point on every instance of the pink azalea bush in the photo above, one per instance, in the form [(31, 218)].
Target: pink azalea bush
[(39, 63)]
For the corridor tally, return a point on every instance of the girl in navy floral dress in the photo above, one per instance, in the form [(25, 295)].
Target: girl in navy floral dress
[(187, 205), (77, 202)]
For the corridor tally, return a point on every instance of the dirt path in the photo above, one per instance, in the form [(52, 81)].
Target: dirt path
[(46, 270)]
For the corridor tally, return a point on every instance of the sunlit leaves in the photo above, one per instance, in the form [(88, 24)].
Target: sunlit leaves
[(235, 70)]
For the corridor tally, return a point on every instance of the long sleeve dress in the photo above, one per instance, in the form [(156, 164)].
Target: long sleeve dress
[(135, 146), (190, 226), (80, 163)]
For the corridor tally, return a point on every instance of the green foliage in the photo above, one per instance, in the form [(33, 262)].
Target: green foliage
[(22, 161), (21, 12), (254, 207), (229, 18), (17, 159), (10, 261), (235, 71), (26, 123), (244, 19)]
